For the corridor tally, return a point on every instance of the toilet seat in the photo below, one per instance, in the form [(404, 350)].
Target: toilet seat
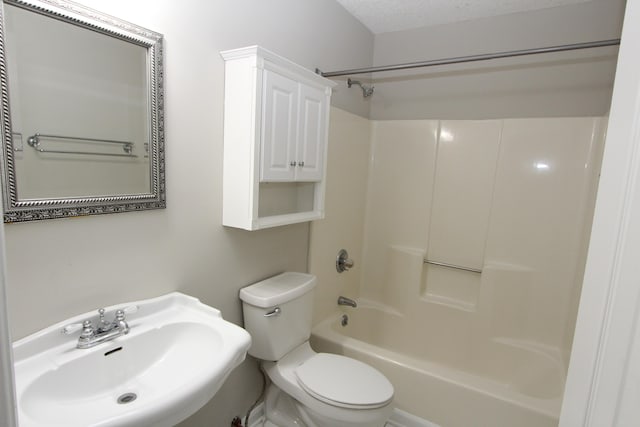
[(344, 382), (284, 377)]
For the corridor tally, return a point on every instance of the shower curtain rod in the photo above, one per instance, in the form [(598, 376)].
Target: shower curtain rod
[(472, 58)]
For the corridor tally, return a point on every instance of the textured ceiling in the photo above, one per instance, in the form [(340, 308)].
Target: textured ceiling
[(382, 16)]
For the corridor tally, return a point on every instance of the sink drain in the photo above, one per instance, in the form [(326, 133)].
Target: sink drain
[(127, 398)]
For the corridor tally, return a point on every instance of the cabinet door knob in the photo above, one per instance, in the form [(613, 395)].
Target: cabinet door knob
[(301, 164), (292, 163)]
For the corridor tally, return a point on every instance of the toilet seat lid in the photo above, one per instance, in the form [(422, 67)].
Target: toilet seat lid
[(345, 382)]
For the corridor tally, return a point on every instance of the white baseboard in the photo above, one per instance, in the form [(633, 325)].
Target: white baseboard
[(398, 419)]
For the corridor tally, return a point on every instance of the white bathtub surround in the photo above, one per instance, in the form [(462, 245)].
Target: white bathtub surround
[(463, 191), (524, 188), (403, 276), (466, 347), (348, 162), (509, 301), (543, 207), (543, 187), (400, 189)]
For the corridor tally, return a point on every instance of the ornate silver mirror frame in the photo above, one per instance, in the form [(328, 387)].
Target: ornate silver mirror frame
[(18, 209)]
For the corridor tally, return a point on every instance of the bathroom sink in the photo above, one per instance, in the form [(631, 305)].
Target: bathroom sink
[(176, 356)]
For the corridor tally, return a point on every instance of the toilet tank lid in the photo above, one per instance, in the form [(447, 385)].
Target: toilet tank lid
[(278, 289)]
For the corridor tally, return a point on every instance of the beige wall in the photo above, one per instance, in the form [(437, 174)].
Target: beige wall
[(60, 268), (564, 84), (511, 197)]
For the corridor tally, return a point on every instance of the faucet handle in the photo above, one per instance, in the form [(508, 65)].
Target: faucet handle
[(120, 314), (86, 326), (122, 324), (87, 329), (71, 328), (131, 309), (343, 262)]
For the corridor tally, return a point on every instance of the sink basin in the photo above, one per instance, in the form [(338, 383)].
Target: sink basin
[(175, 358)]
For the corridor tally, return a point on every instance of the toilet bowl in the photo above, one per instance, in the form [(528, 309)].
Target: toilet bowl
[(308, 388), (330, 390)]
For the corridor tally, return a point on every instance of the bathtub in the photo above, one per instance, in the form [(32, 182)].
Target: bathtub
[(506, 383)]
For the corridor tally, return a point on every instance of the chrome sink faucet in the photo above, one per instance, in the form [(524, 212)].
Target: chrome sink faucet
[(104, 331)]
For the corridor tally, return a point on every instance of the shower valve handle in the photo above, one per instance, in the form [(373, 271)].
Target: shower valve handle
[(343, 262)]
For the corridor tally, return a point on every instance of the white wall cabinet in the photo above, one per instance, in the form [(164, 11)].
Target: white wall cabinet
[(294, 130), (275, 140)]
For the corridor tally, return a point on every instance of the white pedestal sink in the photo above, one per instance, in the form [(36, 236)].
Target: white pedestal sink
[(175, 358)]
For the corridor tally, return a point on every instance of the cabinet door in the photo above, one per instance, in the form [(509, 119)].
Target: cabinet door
[(279, 120), (311, 134)]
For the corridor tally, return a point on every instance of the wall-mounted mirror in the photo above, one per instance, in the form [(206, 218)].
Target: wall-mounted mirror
[(82, 112)]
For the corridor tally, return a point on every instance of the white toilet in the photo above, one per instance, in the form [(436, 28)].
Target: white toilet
[(308, 388)]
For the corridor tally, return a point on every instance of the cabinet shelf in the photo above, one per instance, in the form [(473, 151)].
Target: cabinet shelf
[(276, 117)]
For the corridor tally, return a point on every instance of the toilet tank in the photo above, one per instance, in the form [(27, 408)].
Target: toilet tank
[(277, 313)]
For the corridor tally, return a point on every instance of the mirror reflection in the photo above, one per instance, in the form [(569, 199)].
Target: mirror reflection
[(85, 115)]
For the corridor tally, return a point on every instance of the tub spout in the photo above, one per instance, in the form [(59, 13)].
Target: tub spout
[(346, 301)]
